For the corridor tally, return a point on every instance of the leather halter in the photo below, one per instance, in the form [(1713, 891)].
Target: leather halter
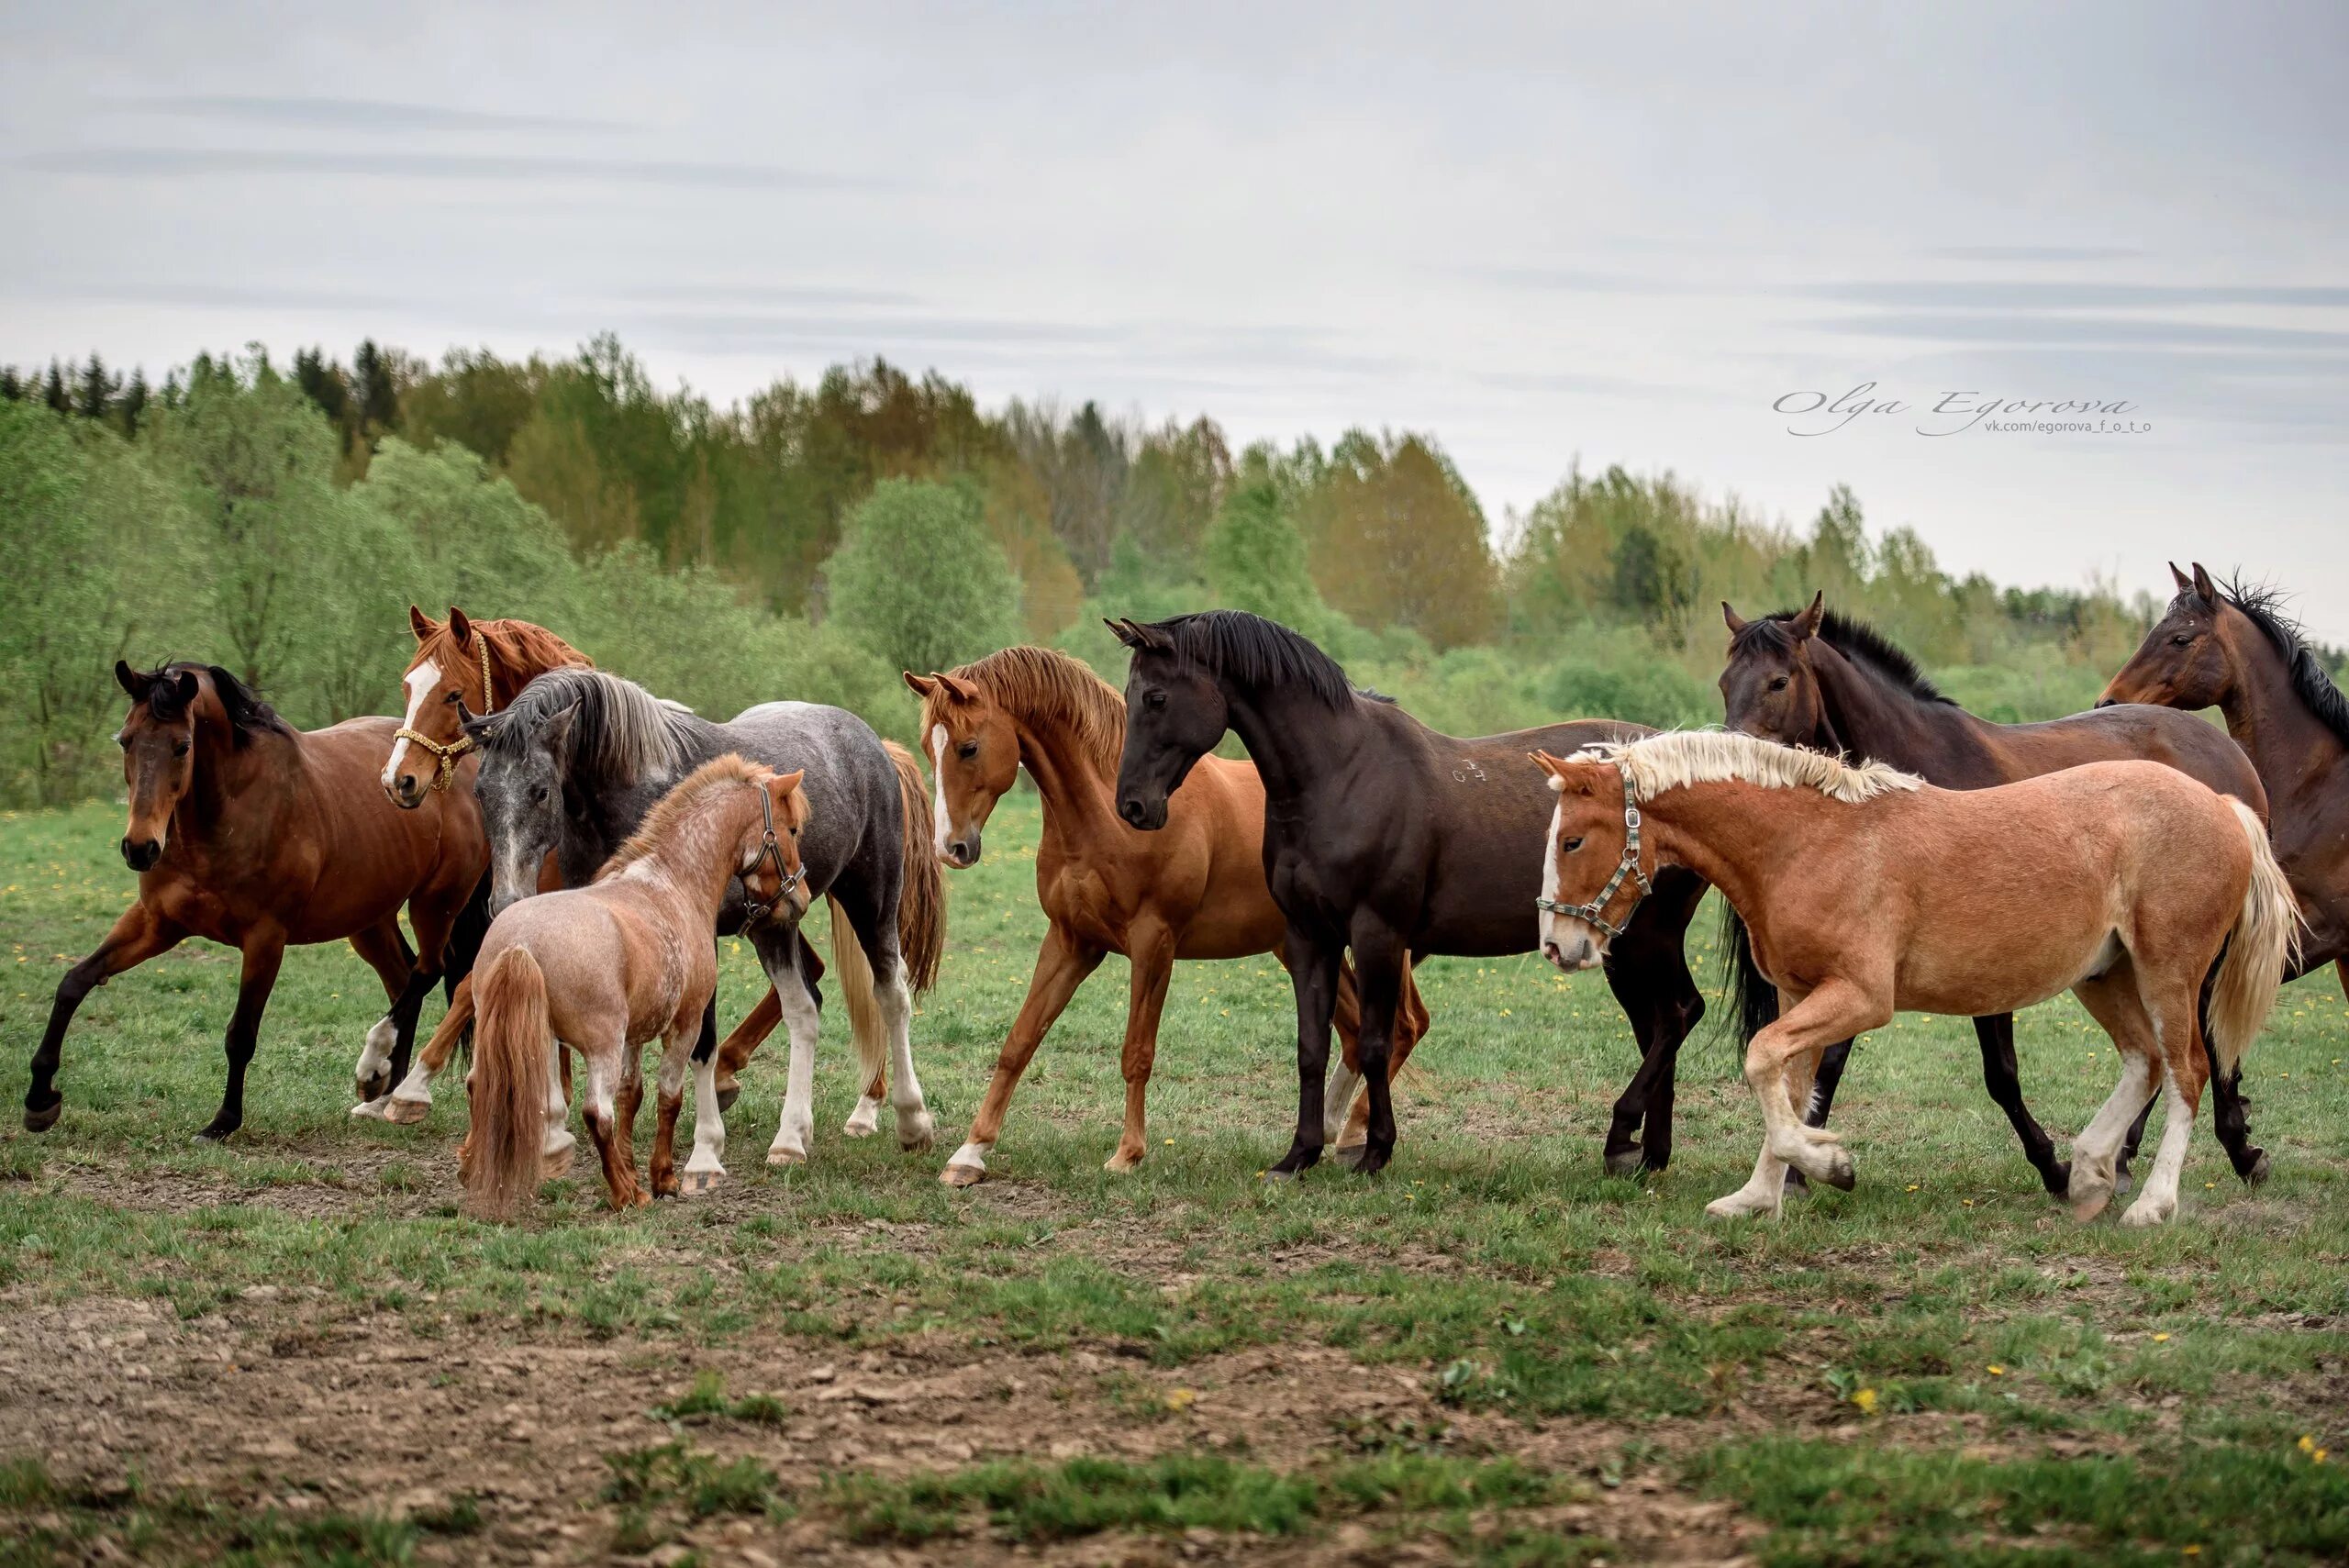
[(769, 849), (1595, 912), (448, 753)]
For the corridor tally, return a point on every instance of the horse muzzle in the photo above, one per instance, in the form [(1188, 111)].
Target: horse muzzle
[(1572, 954), (405, 791), (1146, 817), (141, 854), (962, 852)]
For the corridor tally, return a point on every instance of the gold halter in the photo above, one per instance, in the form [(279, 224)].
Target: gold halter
[(448, 753)]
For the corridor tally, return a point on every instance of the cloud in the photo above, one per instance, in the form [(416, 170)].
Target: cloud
[(1990, 293), (2034, 253), (358, 114), (1959, 327), (177, 162)]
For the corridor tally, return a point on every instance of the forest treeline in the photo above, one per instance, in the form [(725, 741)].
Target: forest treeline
[(812, 539)]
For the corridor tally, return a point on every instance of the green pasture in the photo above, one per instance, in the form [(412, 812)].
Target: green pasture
[(1937, 1367)]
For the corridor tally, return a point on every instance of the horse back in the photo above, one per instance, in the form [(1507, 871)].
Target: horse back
[(2128, 731)]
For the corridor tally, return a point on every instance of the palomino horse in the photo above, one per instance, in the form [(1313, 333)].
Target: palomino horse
[(462, 662), (2234, 650), (604, 968), (572, 766), (254, 835), (1387, 838), (1867, 890), (1815, 679), (1195, 889)]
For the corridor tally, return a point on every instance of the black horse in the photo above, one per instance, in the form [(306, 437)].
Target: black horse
[(1385, 837), (1815, 679)]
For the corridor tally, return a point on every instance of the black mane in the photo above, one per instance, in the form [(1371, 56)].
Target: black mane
[(2265, 608), (1854, 639), (248, 715), (1259, 652)]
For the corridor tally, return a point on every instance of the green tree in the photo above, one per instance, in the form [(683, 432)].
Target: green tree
[(917, 580), (1395, 538)]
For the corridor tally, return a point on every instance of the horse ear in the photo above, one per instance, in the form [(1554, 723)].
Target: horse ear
[(961, 690), (188, 687), (2185, 583), (555, 734), (2204, 586), (1124, 631), (1737, 623), (1546, 762), (130, 680), (922, 685), (1806, 625), (782, 785), (420, 624), (459, 627)]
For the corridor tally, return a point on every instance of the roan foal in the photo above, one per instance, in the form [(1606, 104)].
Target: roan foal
[(607, 967)]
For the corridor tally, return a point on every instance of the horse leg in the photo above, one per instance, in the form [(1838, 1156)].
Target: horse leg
[(607, 1066), (386, 952), (264, 953), (1997, 1034), (2227, 1117), (2113, 1000), (2185, 1068), (1821, 1100), (1379, 958), (1647, 970), (412, 1101), (734, 1054), (706, 1167), (1151, 949), (1313, 967), (1345, 1105), (917, 1133), (795, 1133), (138, 934), (669, 1099), (1061, 965), (556, 1149), (1410, 1028), (1786, 1050)]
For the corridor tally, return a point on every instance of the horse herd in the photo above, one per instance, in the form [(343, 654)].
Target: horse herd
[(565, 845)]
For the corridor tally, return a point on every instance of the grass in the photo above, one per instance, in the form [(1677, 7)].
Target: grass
[(1936, 1367)]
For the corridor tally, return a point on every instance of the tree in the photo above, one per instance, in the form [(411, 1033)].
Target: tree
[(1255, 560), (94, 395), (54, 390), (917, 580), (374, 385), (133, 407), (1395, 538)]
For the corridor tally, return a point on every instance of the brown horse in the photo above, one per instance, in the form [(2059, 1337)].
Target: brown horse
[(457, 662), (604, 968), (1816, 679), (1193, 890), (2234, 649), (257, 836), (1867, 890)]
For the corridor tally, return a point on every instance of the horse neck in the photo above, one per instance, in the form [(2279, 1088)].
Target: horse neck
[(687, 860), (516, 661), (238, 788), (2296, 754), (1877, 718), (1739, 838), (1296, 740), (1077, 791), (614, 808)]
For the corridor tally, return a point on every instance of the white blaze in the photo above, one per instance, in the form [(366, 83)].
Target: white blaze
[(942, 829), (1550, 922), (421, 680)]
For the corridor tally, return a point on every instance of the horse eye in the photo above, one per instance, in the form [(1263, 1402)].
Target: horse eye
[(1571, 845), (1777, 683), (2181, 639), (538, 792), (449, 698), (967, 750), (181, 748), (1153, 699), (123, 741)]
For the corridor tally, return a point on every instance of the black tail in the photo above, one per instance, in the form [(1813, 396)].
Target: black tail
[(1753, 1000), (465, 938)]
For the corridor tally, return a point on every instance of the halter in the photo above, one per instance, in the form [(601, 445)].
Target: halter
[(1595, 912), (769, 849), (448, 753)]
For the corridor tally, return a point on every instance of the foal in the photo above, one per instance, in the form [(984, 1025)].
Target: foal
[(605, 968), (1868, 891)]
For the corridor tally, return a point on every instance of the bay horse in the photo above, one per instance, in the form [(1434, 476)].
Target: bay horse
[(1816, 679), (572, 766), (1868, 891), (2234, 649), (459, 662), (604, 968), (1389, 839), (1193, 890), (248, 832)]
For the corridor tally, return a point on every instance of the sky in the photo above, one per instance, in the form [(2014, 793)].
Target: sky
[(1665, 237)]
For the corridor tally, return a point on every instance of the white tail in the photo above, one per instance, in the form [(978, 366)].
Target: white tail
[(863, 1007), (2266, 939)]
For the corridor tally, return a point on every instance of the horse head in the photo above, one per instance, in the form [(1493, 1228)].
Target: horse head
[(1768, 686), (158, 742), (524, 764), (2193, 656), (974, 750), (453, 664), (1594, 871), (1175, 714)]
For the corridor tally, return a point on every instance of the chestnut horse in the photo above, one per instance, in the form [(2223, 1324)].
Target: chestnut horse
[(1193, 890), (1816, 679), (604, 968), (2234, 649), (251, 834), (464, 665), (1868, 891), (1387, 838)]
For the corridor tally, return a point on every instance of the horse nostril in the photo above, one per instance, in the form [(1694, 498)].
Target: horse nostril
[(2104, 702), (1131, 810)]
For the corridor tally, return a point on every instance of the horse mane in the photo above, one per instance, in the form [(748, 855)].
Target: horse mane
[(516, 644), (248, 716), (622, 731), (661, 823), (1681, 758), (1259, 652), (1852, 638), (1045, 686), (2264, 606)]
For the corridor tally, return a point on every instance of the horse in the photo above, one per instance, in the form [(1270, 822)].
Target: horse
[(604, 968), (453, 660), (249, 833), (1193, 890), (573, 764), (1867, 890), (1386, 837), (1816, 679), (2235, 650)]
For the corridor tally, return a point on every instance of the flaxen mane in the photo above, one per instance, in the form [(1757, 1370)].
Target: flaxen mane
[(2263, 608), (1044, 686), (1854, 639), (1683, 758), (661, 823), (621, 731), (1259, 652)]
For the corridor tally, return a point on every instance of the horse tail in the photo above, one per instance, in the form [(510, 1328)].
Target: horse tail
[(863, 1007), (1753, 1000), (921, 898), (2266, 939), (509, 1083)]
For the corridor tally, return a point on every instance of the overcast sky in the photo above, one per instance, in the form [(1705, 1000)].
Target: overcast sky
[(1541, 232)]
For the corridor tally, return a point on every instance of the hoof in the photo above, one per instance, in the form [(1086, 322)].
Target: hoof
[(1839, 1173), (2141, 1215), (726, 1095), (2122, 1186), (855, 1128), (43, 1119), (1121, 1162), (787, 1156), (1279, 1178), (404, 1113), (1795, 1182), (2086, 1206), (960, 1175), (917, 1134), (1737, 1207), (2256, 1176), (375, 1088), (697, 1182), (379, 1110), (557, 1163), (1626, 1162)]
